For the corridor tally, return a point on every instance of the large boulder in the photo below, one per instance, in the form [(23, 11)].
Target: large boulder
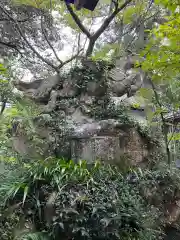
[(106, 140), (85, 123)]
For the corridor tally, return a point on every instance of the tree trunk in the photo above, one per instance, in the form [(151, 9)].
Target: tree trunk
[(90, 47)]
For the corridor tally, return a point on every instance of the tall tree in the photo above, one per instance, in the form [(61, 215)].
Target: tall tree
[(39, 30)]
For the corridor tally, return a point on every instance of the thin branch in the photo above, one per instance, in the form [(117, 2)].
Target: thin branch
[(78, 21), (109, 19), (3, 106), (25, 39), (9, 44), (96, 35), (89, 31), (49, 43), (131, 27), (19, 21), (78, 49), (163, 122), (137, 24), (71, 59), (104, 26), (74, 46)]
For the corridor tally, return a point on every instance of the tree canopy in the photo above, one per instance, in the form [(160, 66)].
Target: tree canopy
[(40, 29)]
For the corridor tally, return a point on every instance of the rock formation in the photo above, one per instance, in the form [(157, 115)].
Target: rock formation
[(79, 120), (85, 122)]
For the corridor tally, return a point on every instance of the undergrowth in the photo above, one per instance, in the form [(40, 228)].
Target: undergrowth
[(54, 199)]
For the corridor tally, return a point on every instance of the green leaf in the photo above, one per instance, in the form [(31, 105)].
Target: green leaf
[(43, 4), (174, 137), (71, 210), (146, 93), (26, 189), (129, 14), (105, 52)]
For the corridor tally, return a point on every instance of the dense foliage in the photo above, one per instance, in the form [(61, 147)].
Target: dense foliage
[(75, 201)]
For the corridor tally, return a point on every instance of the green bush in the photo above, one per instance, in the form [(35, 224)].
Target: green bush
[(64, 200), (162, 183)]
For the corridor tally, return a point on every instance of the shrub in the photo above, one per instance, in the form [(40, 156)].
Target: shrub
[(76, 201), (161, 185)]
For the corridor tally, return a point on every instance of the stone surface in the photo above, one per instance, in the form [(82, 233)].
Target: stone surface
[(125, 81), (96, 140), (34, 146), (109, 148), (173, 212), (105, 140), (135, 147), (69, 88), (40, 89), (103, 148)]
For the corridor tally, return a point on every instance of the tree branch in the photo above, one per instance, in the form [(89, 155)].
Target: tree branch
[(106, 23), (3, 106), (9, 44), (49, 43), (69, 60), (93, 38), (109, 19), (163, 122), (20, 21), (27, 42), (104, 26), (78, 21)]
